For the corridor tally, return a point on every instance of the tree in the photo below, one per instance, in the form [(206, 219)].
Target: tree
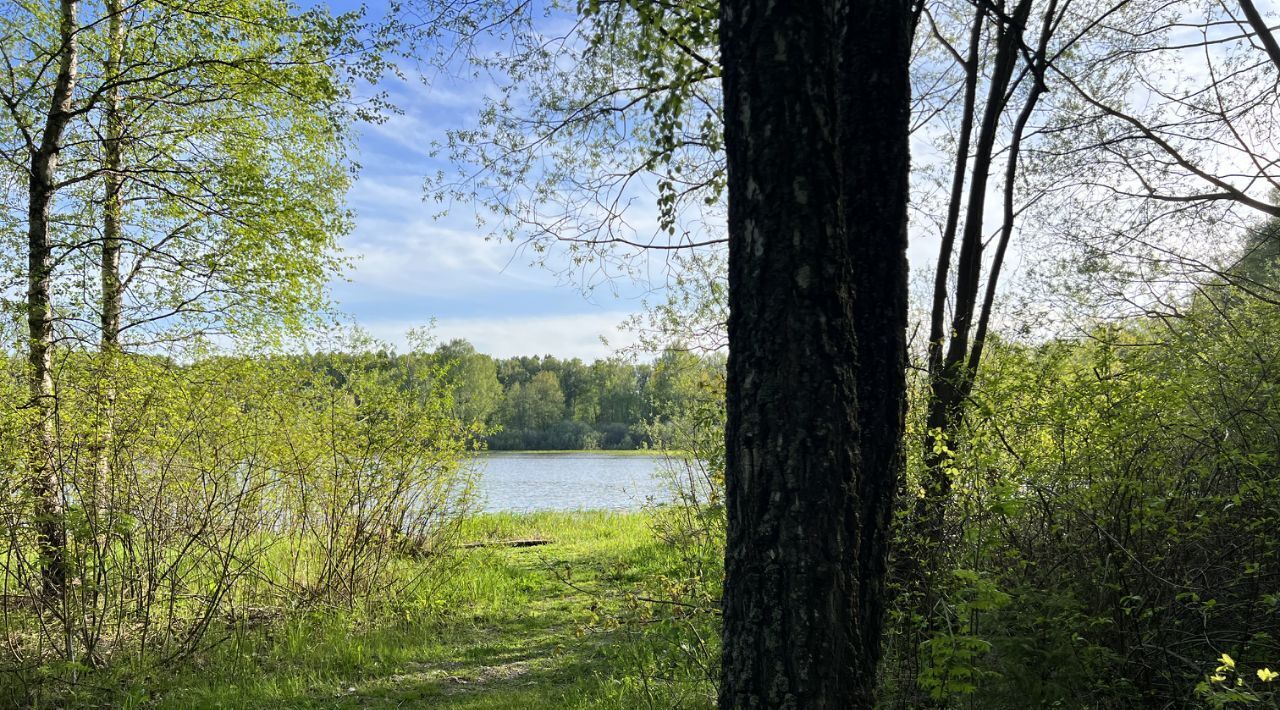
[(1006, 51), (111, 284), (816, 120), (619, 398), (216, 131), (538, 404), (1169, 155), (42, 141), (473, 378), (223, 157), (673, 383), (1258, 261), (640, 105)]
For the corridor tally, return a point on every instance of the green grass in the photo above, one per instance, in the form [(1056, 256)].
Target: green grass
[(535, 627), (606, 452)]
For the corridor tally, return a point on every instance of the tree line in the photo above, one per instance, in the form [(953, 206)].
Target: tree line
[(531, 402)]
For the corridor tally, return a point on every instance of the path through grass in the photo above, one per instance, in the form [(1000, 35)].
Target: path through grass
[(514, 628)]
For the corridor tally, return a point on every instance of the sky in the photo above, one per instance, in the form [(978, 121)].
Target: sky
[(415, 263), (413, 266)]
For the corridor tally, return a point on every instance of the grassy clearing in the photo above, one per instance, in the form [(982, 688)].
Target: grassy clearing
[(535, 627), (603, 452)]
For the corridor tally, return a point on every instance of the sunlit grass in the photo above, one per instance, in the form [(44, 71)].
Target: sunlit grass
[(511, 627), (600, 452)]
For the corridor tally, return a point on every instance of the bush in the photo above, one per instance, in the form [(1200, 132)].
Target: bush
[(1120, 491), (197, 495)]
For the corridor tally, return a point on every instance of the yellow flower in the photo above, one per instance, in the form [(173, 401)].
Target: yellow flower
[(1266, 675), (1228, 663), (1217, 678)]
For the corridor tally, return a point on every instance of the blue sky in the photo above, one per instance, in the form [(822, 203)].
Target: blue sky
[(413, 266)]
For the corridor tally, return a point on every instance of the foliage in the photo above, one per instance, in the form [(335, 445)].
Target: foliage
[(233, 162), (238, 487), (1228, 685), (473, 378), (548, 403), (617, 109), (1115, 494)]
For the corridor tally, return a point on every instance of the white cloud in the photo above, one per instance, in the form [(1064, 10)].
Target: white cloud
[(407, 131), (402, 249), (421, 258), (373, 194), (565, 335)]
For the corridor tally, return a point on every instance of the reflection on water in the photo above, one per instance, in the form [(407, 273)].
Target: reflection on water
[(595, 480)]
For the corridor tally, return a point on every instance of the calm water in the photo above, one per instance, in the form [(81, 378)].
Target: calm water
[(576, 481)]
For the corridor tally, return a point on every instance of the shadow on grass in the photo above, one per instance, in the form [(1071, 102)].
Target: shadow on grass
[(544, 674)]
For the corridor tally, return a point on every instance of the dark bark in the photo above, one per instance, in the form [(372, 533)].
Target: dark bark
[(45, 480), (951, 376), (875, 120), (1262, 30), (815, 133)]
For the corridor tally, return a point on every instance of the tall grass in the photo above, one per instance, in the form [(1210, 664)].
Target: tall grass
[(561, 625)]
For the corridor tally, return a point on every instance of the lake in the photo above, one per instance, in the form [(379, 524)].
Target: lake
[(589, 480)]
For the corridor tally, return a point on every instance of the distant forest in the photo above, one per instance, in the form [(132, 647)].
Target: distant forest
[(547, 403), (544, 403)]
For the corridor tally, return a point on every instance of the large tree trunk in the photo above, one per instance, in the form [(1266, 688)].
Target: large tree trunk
[(46, 484), (815, 135), (876, 119)]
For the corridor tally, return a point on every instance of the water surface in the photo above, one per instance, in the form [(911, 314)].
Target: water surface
[(590, 480)]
